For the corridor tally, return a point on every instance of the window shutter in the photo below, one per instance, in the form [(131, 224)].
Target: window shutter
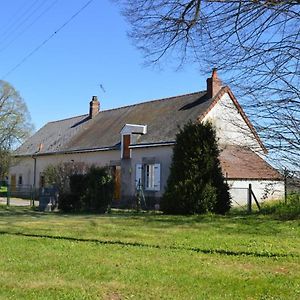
[(138, 174), (157, 177)]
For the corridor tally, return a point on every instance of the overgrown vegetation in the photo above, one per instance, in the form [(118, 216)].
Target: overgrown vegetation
[(92, 191), (58, 175), (284, 210), (81, 188), (196, 183)]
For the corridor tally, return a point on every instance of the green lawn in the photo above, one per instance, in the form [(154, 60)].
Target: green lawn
[(147, 256)]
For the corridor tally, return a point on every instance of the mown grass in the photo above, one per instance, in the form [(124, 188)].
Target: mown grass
[(147, 256)]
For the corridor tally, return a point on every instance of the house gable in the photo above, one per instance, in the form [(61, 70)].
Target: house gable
[(231, 122)]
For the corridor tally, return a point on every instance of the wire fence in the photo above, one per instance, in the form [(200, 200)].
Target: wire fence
[(21, 195)]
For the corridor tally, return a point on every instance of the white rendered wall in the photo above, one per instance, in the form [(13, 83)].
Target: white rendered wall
[(263, 190), (230, 125), (25, 166)]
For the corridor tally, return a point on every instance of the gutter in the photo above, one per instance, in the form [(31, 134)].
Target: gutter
[(133, 146), (148, 145), (68, 152)]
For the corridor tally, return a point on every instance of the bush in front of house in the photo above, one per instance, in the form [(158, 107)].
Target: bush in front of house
[(99, 190), (196, 183), (90, 192)]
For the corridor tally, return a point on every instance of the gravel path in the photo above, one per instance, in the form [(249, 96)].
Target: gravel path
[(17, 202)]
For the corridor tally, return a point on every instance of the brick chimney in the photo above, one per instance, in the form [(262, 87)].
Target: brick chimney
[(94, 107), (214, 84)]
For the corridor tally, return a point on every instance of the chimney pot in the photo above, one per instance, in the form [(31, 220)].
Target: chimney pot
[(94, 107), (214, 84)]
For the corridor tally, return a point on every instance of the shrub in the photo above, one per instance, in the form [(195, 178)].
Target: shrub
[(88, 192), (99, 191), (196, 183), (69, 202), (59, 175)]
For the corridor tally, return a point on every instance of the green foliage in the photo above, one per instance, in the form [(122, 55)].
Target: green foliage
[(5, 159), (69, 202), (92, 191), (99, 191), (288, 210), (196, 183), (15, 125)]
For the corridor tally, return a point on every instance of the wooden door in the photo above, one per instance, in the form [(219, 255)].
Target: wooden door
[(13, 182)]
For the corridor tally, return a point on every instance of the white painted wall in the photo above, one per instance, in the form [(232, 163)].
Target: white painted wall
[(25, 166), (230, 126), (263, 190)]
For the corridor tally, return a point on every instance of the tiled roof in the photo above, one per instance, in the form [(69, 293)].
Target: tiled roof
[(242, 163), (53, 136), (162, 118)]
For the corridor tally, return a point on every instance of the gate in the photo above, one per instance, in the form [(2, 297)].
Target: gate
[(244, 197)]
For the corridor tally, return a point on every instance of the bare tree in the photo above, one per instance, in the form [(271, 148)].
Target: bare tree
[(254, 43), (15, 123)]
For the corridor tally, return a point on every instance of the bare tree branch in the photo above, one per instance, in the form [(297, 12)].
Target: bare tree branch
[(254, 42)]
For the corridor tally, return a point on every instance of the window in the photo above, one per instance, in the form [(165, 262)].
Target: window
[(20, 180), (148, 175)]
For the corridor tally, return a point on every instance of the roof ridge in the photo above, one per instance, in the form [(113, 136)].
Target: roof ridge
[(65, 119), (150, 101), (125, 106)]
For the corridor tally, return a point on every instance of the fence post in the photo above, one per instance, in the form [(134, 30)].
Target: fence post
[(249, 198), (8, 195), (285, 174), (31, 196)]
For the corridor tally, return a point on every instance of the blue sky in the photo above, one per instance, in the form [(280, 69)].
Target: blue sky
[(59, 79)]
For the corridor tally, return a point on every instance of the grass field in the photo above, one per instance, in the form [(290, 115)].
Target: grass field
[(147, 256)]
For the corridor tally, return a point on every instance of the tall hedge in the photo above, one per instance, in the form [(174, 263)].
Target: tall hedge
[(92, 191), (196, 183)]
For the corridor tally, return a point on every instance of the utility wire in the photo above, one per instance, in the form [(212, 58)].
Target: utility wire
[(28, 26), (47, 39), (7, 30)]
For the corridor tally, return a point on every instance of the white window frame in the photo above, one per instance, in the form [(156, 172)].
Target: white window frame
[(152, 177), (148, 176)]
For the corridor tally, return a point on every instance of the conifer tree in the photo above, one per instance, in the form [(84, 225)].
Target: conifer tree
[(196, 183)]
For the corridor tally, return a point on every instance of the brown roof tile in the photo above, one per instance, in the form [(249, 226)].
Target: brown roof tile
[(242, 163)]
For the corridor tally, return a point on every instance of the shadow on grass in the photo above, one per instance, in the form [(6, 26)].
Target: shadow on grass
[(254, 224), (162, 247)]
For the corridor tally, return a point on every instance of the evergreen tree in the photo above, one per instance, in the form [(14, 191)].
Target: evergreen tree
[(196, 183)]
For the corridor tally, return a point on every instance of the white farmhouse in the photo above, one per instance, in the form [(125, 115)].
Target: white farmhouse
[(136, 141)]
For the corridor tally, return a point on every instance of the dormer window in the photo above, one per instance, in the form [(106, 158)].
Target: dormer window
[(127, 132)]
